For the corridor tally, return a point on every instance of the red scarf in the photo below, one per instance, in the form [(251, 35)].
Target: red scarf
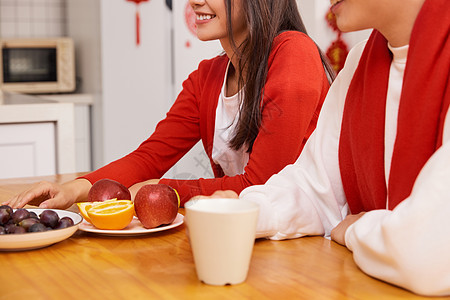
[(424, 102)]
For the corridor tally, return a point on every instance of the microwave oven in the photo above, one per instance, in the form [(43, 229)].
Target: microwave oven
[(37, 66)]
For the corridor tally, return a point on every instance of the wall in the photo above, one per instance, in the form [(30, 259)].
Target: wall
[(135, 78), (32, 18), (130, 82)]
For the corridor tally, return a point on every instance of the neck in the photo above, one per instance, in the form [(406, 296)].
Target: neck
[(398, 30), (232, 56), (233, 77)]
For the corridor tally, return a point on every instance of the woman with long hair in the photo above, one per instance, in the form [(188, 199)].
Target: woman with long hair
[(253, 107)]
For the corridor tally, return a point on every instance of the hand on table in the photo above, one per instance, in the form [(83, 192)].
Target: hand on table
[(338, 232), (218, 194), (135, 187), (215, 195), (52, 195)]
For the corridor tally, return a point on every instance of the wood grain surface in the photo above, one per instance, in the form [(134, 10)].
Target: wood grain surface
[(160, 266)]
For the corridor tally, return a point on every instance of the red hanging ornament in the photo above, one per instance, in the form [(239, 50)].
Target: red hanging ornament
[(138, 20), (338, 50), (337, 53), (331, 20)]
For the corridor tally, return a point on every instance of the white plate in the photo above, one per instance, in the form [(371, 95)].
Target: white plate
[(135, 228), (35, 240)]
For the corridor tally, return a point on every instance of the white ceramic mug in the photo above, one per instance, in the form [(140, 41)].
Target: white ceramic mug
[(222, 235)]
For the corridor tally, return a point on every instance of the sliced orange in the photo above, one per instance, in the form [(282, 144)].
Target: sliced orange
[(112, 214), (83, 207)]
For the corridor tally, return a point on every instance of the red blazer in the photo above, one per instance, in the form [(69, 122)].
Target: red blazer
[(294, 92)]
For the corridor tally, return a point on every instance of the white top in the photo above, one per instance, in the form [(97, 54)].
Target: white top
[(392, 104), (307, 198), (231, 161)]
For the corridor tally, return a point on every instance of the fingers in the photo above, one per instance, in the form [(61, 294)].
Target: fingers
[(135, 187), (49, 204), (225, 194), (338, 233), (20, 200), (218, 194), (200, 197), (37, 193), (61, 201)]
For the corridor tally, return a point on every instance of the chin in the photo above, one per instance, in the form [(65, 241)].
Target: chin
[(202, 38), (346, 27), (349, 24), (207, 35)]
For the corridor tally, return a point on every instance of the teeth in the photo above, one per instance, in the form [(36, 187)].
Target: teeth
[(333, 2), (204, 17)]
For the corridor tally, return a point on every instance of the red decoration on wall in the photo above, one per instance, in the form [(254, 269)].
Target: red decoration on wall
[(338, 50), (138, 20)]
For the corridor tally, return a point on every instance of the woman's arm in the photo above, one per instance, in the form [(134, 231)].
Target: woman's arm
[(295, 88)]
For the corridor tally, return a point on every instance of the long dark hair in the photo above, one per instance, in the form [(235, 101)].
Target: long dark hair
[(265, 20)]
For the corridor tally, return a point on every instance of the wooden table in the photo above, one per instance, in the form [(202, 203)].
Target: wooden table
[(160, 266)]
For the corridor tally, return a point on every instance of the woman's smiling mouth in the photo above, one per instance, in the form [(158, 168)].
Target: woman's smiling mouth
[(202, 17)]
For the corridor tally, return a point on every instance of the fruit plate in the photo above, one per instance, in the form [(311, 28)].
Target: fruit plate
[(36, 240), (135, 228)]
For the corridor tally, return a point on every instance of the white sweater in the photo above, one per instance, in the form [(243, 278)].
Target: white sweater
[(409, 246)]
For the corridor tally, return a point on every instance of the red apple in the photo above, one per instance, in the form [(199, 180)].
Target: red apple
[(156, 204), (106, 189)]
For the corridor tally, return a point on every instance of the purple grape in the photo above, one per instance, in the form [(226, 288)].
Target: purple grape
[(64, 223), (49, 218), (20, 214), (33, 215), (8, 208), (21, 221), (14, 229), (9, 228), (38, 227), (5, 216), (27, 223), (19, 230)]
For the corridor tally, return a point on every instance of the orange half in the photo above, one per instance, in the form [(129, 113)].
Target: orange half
[(114, 215), (83, 207)]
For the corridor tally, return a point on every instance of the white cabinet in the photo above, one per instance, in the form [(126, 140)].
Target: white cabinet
[(36, 137), (27, 149), (82, 114), (83, 138)]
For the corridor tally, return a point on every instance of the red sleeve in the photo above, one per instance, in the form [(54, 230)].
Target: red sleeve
[(294, 92), (173, 137)]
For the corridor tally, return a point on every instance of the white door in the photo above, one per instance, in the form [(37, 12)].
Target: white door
[(27, 149)]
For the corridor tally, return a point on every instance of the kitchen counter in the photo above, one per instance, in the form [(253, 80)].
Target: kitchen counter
[(77, 99), (26, 109)]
